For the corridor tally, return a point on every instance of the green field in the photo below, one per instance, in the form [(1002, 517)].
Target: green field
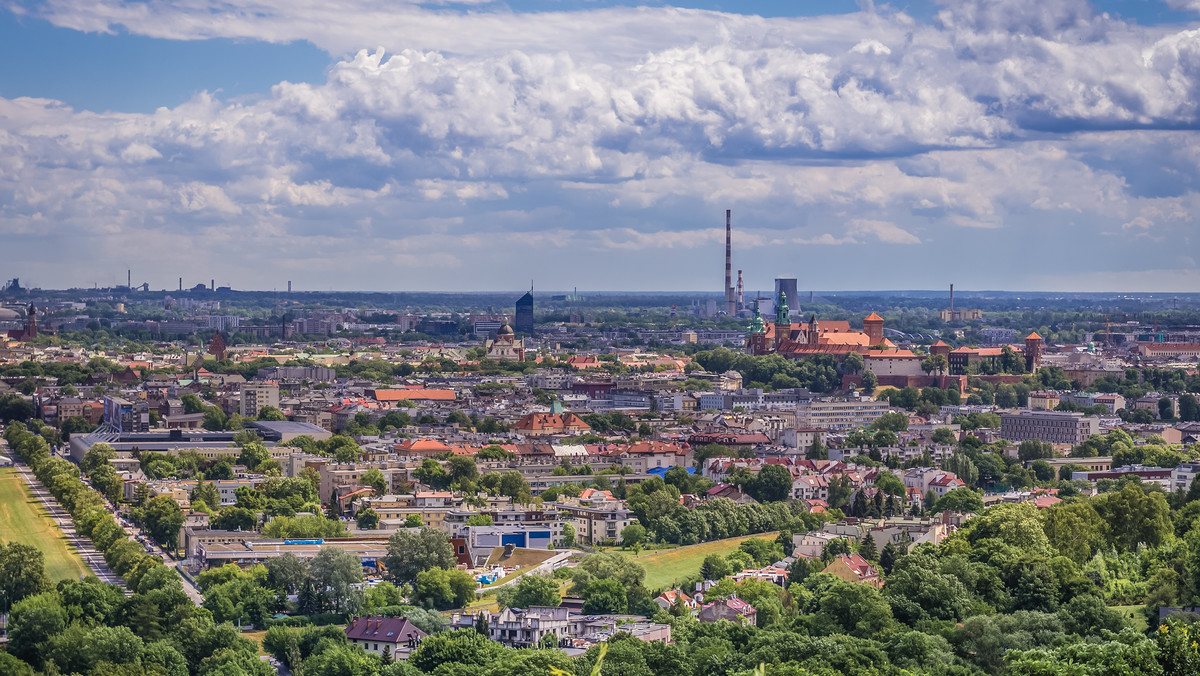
[(665, 568), (23, 520), (1134, 615)]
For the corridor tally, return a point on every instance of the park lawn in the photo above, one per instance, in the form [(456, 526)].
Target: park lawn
[(24, 520), (257, 637), (1134, 615), (664, 569)]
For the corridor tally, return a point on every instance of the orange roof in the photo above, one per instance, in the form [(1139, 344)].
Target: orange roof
[(542, 422), (425, 445), (399, 395), (873, 318), (940, 343), (1033, 336)]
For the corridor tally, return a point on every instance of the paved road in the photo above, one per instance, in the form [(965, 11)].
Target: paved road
[(87, 551)]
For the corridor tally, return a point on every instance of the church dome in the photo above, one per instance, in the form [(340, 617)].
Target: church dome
[(505, 330)]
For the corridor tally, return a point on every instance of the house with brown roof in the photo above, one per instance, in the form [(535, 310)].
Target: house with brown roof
[(547, 424), (395, 635), (854, 568), (732, 609)]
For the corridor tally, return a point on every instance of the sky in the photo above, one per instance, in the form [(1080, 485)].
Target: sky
[(476, 145)]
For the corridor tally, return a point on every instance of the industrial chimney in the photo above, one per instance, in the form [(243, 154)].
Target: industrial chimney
[(952, 298), (740, 304), (729, 300)]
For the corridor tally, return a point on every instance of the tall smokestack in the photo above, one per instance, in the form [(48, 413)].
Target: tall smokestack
[(212, 283), (740, 303), (128, 278), (952, 298), (289, 286), (729, 302), (181, 283)]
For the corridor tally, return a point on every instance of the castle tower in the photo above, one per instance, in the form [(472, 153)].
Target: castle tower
[(217, 347), (941, 348), (814, 331), (873, 327), (1033, 352), (756, 335), (783, 323)]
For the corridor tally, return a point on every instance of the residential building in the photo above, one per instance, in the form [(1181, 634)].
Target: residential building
[(257, 395), (517, 628), (394, 635), (732, 609), (127, 416), (1055, 427), (854, 568), (838, 414)]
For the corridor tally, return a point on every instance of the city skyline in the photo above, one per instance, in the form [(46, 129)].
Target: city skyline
[(447, 147)]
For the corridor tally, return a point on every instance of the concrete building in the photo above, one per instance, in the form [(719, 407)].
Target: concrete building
[(127, 416), (255, 395), (839, 415), (1054, 427)]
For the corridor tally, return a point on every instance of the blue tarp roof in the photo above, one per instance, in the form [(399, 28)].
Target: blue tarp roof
[(662, 471)]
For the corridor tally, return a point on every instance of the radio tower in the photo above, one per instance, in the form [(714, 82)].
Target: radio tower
[(729, 299)]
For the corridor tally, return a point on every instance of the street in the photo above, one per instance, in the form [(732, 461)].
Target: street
[(87, 551)]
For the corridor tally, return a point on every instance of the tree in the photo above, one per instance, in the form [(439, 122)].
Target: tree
[(457, 647), (97, 456), (164, 518), (772, 484), (375, 480), (607, 566), (336, 570), (840, 491), (367, 519), (253, 454), (206, 494), (1135, 517), (271, 413), (568, 532), (943, 435), (604, 596), (1189, 407), (410, 553), (413, 521), (958, 500), (889, 483), (32, 621), (461, 468), (234, 518), (192, 404), (22, 571), (1166, 409), (443, 589), (869, 380), (286, 573), (715, 567), (892, 422), (480, 520), (632, 535), (530, 590), (1033, 450)]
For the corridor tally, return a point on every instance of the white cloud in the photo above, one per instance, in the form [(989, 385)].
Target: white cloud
[(495, 134)]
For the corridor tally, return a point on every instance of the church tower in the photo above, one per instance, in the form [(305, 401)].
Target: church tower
[(873, 327), (783, 321), (756, 335), (31, 323)]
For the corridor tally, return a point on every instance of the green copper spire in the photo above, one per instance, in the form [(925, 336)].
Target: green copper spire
[(781, 310), (756, 324)]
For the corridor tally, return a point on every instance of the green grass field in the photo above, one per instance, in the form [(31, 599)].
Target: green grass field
[(23, 520), (1134, 616), (665, 568)]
